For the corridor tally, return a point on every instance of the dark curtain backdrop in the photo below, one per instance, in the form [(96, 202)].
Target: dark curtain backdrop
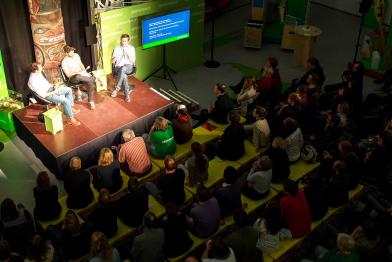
[(16, 41)]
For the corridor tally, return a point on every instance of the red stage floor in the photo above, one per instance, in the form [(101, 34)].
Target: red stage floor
[(110, 117)]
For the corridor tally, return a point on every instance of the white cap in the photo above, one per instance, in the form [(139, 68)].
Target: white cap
[(181, 107)]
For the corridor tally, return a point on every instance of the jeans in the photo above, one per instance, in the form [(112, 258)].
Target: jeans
[(89, 80), (122, 77), (149, 145), (63, 96)]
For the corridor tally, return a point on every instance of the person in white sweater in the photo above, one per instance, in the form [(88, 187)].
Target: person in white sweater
[(294, 139), (260, 130)]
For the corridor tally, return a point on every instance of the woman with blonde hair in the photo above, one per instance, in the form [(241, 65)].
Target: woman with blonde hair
[(107, 173), (280, 160), (160, 140), (101, 250)]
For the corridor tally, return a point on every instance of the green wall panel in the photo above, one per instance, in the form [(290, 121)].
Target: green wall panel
[(180, 55), (3, 82)]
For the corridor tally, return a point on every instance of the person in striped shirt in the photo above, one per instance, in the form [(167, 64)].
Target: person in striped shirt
[(134, 152)]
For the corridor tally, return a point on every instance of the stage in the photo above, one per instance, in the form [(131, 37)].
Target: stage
[(99, 128)]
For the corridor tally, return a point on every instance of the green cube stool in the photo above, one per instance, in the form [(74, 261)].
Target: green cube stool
[(53, 120)]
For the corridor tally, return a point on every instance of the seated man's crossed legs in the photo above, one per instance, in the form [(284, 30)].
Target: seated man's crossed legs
[(122, 80), (90, 81)]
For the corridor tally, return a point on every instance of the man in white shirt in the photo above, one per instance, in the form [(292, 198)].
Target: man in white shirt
[(76, 72), (59, 95), (123, 59)]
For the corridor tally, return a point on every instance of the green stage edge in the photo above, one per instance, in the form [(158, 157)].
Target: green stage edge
[(168, 40)]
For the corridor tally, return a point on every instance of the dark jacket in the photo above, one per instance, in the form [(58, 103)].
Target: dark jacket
[(77, 185), (223, 105), (172, 187), (132, 207), (317, 201), (337, 191), (177, 239), (47, 206), (280, 165), (104, 219), (229, 198), (232, 143)]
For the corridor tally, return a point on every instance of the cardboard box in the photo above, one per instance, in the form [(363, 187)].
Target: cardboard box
[(288, 37), (253, 34), (257, 14)]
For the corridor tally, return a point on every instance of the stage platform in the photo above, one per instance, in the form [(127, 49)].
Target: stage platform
[(99, 128)]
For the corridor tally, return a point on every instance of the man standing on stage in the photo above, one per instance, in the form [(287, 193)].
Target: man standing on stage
[(123, 59), (76, 72), (59, 95)]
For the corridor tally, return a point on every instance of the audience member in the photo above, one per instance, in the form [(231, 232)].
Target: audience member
[(264, 86), (231, 145), (16, 225), (316, 197), (132, 206), (280, 160), (160, 140), (243, 240), (260, 130), (77, 185), (292, 108), (205, 215), (217, 251), (100, 249), (294, 139), (259, 179), (40, 250), (345, 251), (219, 111), (177, 239), (169, 185), (197, 165), (104, 217), (73, 237), (182, 125), (229, 195), (337, 188), (149, 246), (368, 243), (270, 229), (47, 206), (6, 255), (247, 94), (353, 164), (313, 67), (295, 209), (134, 153), (357, 73), (107, 172)]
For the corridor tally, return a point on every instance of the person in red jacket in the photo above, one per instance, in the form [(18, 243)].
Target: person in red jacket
[(295, 209)]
